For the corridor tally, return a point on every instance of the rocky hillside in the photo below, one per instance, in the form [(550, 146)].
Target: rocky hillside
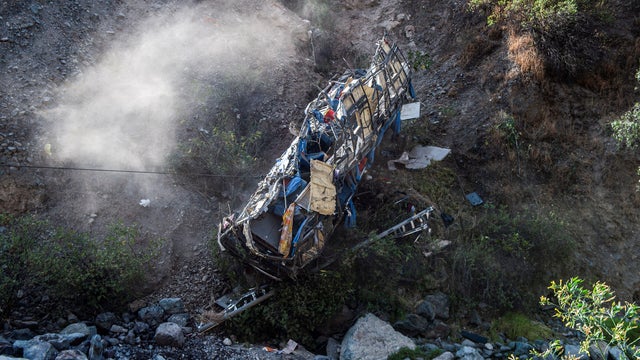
[(145, 85)]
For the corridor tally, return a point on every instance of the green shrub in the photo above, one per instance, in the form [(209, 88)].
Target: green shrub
[(17, 238), (596, 314), (419, 60), (514, 325), (77, 270), (626, 130), (565, 31), (295, 311), (417, 353), (501, 241)]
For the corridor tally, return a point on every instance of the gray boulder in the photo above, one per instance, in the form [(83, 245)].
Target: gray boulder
[(96, 347), (180, 319), (80, 328), (425, 309), (372, 338), (39, 350), (169, 334), (172, 305), (153, 315), (105, 320), (445, 356), (440, 304), (412, 325), (469, 353), (71, 355)]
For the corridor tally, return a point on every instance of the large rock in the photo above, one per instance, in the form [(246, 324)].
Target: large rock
[(169, 334), (469, 353), (372, 338), (180, 319), (105, 320), (153, 315), (172, 305), (445, 356), (412, 325), (61, 341), (80, 328), (96, 348), (439, 304), (71, 355), (39, 350)]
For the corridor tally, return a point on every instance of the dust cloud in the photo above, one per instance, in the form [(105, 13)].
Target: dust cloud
[(124, 111)]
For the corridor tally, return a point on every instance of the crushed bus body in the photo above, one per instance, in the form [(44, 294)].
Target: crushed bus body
[(309, 191)]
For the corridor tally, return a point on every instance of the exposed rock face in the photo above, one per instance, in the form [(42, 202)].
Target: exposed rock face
[(169, 334), (372, 338)]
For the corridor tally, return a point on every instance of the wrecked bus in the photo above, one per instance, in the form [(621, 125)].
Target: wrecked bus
[(309, 191)]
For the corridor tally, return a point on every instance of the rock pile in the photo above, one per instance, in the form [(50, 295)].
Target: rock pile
[(164, 331)]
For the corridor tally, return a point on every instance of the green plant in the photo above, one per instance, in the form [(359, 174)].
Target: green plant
[(514, 325), (501, 240), (564, 31), (17, 238), (415, 354), (506, 126), (419, 60), (596, 314), (78, 270), (296, 311)]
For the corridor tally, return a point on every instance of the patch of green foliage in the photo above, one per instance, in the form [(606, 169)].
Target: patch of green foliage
[(564, 30), (415, 354), (378, 271), (514, 325), (501, 241), (596, 314), (296, 310), (88, 273), (508, 130), (530, 11), (419, 60)]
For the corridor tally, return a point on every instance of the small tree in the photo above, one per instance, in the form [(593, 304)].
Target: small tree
[(600, 319)]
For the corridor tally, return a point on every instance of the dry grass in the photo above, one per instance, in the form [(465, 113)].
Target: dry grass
[(523, 52)]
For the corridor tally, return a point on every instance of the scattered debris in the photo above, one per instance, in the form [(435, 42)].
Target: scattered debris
[(145, 202), (285, 224), (410, 111), (474, 199), (419, 157)]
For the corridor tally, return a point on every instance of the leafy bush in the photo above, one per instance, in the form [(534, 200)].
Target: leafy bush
[(626, 130), (501, 241), (563, 29), (87, 273), (514, 325), (417, 353), (419, 60), (596, 314), (295, 311)]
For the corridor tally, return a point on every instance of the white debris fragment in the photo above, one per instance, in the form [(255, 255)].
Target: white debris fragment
[(419, 157), (145, 202), (410, 111)]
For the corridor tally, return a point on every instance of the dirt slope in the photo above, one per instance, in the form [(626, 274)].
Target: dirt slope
[(566, 160)]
